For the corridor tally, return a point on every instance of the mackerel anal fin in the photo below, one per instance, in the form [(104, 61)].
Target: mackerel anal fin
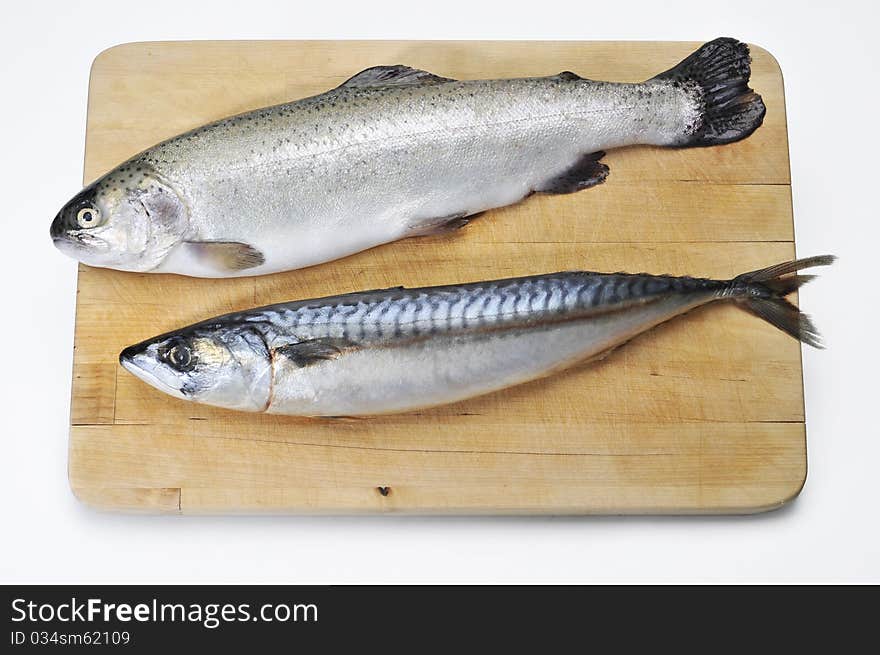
[(587, 172), (392, 76), (226, 255), (313, 351)]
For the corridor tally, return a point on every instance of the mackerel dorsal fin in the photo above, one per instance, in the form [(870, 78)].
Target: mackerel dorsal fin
[(392, 76)]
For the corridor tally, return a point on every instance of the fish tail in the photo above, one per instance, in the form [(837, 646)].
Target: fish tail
[(719, 74), (763, 292)]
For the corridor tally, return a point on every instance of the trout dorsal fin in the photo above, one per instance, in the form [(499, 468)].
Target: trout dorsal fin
[(393, 76)]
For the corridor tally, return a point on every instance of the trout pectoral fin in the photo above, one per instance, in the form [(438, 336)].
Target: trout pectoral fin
[(393, 76), (225, 255), (312, 351), (586, 172)]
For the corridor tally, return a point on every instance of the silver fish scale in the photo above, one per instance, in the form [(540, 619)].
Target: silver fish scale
[(323, 177), (376, 316), (392, 153)]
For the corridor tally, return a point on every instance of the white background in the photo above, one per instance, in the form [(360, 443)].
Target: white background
[(830, 534)]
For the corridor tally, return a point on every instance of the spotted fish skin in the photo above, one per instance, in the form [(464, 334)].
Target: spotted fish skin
[(392, 153), (399, 349)]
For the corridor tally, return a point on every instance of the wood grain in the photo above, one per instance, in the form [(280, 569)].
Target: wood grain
[(704, 414)]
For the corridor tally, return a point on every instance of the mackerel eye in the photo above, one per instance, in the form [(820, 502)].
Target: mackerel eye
[(88, 217), (179, 356)]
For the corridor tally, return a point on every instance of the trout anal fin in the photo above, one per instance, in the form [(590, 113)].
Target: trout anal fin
[(586, 172)]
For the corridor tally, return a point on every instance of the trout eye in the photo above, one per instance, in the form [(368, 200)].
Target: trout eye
[(88, 217), (179, 356)]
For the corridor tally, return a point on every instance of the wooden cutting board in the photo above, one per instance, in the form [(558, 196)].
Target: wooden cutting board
[(704, 414)]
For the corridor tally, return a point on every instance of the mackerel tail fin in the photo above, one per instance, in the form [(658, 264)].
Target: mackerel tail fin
[(719, 75), (763, 292)]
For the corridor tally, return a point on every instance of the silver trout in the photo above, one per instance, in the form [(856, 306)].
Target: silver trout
[(398, 350), (394, 152)]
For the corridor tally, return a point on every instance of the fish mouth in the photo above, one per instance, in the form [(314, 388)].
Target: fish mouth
[(80, 239), (127, 357), (82, 247), (56, 230), (69, 246), (141, 365)]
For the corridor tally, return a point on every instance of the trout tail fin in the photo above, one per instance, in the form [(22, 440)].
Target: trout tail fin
[(763, 292), (719, 74)]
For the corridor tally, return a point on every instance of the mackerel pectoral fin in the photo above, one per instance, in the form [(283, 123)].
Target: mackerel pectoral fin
[(225, 255), (442, 225), (587, 172), (312, 351), (393, 75)]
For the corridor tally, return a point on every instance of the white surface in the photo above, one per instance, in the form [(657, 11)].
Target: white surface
[(831, 533)]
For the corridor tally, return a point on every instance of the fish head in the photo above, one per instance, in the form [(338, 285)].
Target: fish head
[(215, 364), (130, 219)]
